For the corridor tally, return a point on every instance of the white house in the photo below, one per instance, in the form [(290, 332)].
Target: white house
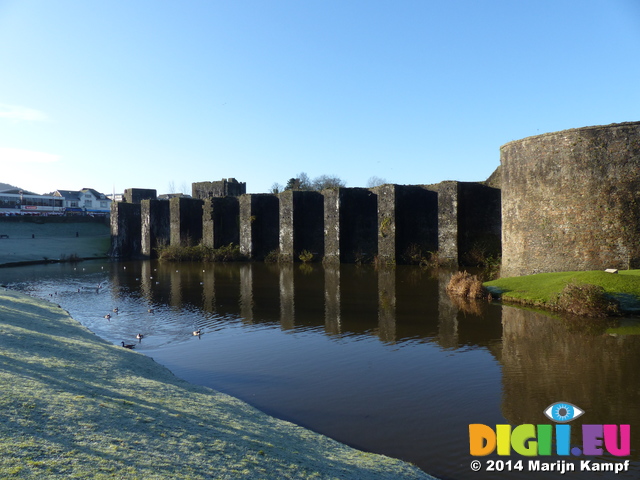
[(85, 201)]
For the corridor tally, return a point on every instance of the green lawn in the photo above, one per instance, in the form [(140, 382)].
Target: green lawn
[(543, 288)]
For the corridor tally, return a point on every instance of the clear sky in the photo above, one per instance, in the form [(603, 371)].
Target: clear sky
[(117, 94)]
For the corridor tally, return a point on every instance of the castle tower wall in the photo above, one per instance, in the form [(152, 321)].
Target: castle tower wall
[(227, 187), (571, 200)]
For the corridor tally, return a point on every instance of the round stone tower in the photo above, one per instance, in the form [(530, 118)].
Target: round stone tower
[(571, 200)]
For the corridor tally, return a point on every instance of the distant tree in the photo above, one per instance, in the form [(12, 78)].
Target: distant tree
[(376, 181), (301, 182), (292, 184), (304, 182), (172, 187), (276, 188), (328, 181)]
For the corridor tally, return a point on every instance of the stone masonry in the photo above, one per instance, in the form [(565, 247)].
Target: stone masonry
[(571, 200)]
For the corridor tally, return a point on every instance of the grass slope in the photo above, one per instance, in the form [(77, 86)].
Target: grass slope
[(542, 289), (74, 406), (53, 241)]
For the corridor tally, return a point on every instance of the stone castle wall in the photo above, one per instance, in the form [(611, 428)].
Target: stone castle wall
[(227, 187), (343, 225), (560, 201), (571, 200)]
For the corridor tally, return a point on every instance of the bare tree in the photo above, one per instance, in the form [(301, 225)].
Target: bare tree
[(376, 181), (328, 181), (172, 186), (276, 188)]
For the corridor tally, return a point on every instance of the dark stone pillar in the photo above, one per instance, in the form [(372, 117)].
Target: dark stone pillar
[(136, 195), (387, 242), (259, 220), (351, 225), (407, 222), (220, 222), (416, 220), (448, 193), (125, 230), (155, 226), (301, 224), (480, 223), (186, 221)]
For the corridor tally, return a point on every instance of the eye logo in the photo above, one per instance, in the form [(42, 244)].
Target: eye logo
[(563, 412)]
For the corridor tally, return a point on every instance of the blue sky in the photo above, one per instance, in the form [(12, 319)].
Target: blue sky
[(118, 94)]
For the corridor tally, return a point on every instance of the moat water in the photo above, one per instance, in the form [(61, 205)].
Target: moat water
[(382, 360)]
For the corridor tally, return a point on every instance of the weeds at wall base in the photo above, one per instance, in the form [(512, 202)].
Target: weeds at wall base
[(200, 253)]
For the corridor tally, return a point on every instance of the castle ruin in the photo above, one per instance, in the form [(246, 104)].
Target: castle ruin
[(560, 201)]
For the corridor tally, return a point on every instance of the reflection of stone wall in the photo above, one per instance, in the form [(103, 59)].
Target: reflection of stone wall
[(544, 361), (570, 200), (333, 321), (396, 304), (387, 304)]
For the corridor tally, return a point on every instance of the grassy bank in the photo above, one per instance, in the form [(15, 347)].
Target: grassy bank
[(75, 406), (31, 242), (543, 289)]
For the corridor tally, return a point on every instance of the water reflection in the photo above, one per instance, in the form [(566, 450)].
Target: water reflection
[(547, 360), (393, 304), (381, 359)]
